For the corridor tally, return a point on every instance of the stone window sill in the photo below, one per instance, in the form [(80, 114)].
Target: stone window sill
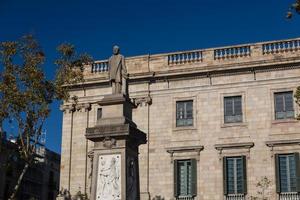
[(183, 128), (282, 121), (237, 124)]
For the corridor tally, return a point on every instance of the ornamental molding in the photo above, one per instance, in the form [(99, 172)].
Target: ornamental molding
[(277, 143), (67, 108), (281, 143), (245, 145), (82, 107), (173, 150), (234, 146), (142, 101)]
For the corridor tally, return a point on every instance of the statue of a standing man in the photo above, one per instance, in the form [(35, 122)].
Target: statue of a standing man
[(117, 72)]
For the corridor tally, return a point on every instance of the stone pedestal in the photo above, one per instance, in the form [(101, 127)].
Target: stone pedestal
[(115, 154)]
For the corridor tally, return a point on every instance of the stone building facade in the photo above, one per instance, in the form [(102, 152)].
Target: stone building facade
[(217, 121)]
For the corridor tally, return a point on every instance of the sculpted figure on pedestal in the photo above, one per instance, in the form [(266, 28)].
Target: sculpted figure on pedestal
[(117, 72)]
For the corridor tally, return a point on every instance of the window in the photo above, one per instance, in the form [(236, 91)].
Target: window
[(284, 108), (185, 178), (233, 109), (99, 113), (234, 175), (184, 113), (287, 172)]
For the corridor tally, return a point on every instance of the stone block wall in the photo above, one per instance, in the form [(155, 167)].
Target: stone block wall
[(157, 117)]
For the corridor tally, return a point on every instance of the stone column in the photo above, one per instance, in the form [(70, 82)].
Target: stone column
[(115, 154)]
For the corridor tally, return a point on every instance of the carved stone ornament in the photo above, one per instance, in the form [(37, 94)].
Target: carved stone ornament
[(109, 142), (109, 177), (91, 157), (68, 108), (83, 107), (142, 101)]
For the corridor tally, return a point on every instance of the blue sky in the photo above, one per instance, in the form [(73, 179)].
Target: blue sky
[(141, 27)]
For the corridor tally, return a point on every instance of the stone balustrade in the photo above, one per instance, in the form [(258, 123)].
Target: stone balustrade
[(281, 46), (232, 52), (213, 57), (185, 57), (100, 66)]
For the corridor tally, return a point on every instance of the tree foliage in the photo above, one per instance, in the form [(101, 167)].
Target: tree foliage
[(263, 187), (294, 8), (26, 93)]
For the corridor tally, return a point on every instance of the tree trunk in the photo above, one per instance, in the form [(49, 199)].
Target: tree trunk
[(13, 195)]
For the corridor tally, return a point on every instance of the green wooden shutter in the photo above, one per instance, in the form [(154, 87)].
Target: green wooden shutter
[(277, 173), (224, 175), (194, 177), (176, 190), (244, 175), (297, 167)]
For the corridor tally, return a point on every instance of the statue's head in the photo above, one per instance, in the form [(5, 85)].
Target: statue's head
[(116, 50)]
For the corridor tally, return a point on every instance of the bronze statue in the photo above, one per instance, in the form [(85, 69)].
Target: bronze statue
[(117, 72)]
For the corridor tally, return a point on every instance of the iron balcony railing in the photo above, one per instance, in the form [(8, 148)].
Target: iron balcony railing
[(289, 196), (235, 197), (185, 198)]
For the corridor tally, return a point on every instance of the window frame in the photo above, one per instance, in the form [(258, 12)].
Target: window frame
[(278, 170), (244, 175), (284, 105), (275, 121), (192, 191), (174, 113), (99, 113), (232, 99), (243, 123), (185, 113)]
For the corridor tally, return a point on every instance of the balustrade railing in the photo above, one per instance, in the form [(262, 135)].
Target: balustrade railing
[(213, 56), (232, 52), (289, 196), (235, 197), (185, 57), (100, 66), (281, 46), (185, 198)]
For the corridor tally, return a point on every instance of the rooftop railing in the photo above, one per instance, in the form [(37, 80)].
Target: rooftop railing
[(232, 52), (206, 57), (185, 57), (100, 66), (281, 46)]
